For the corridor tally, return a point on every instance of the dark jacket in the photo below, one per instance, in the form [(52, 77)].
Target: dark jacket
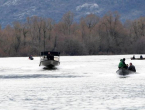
[(132, 68)]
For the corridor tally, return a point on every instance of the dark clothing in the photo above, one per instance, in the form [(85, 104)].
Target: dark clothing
[(132, 68), (30, 57), (141, 57), (50, 57)]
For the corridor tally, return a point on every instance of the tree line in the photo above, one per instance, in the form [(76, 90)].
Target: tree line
[(92, 35)]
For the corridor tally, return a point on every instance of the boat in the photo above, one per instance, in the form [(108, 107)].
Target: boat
[(124, 71), (49, 59), (137, 58)]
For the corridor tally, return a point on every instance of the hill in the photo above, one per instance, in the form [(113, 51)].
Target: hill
[(18, 10)]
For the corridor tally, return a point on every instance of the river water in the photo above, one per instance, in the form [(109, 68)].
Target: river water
[(78, 83)]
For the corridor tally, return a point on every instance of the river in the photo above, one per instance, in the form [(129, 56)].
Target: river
[(78, 83)]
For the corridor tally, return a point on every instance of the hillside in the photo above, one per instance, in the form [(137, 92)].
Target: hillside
[(18, 10)]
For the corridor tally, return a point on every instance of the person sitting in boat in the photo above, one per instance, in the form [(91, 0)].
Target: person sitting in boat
[(133, 57), (30, 57), (127, 65), (122, 64), (141, 57), (132, 67)]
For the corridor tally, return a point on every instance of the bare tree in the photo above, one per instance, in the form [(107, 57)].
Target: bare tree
[(17, 35), (47, 25), (25, 30), (67, 20), (91, 20)]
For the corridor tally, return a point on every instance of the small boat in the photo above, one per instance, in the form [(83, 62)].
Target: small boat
[(49, 59), (137, 58), (124, 71)]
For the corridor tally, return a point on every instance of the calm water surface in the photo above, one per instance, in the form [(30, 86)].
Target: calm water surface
[(79, 83)]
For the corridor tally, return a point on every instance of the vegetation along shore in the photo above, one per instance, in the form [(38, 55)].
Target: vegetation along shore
[(92, 35)]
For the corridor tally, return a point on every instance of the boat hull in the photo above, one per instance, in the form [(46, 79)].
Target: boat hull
[(138, 59), (49, 63), (124, 72)]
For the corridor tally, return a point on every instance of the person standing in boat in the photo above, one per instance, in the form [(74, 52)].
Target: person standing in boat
[(141, 57), (122, 64), (132, 67)]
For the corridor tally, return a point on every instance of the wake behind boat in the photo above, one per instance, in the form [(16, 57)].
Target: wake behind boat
[(49, 59)]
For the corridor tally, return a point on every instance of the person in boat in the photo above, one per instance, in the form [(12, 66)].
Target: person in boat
[(127, 65), (50, 56), (133, 57), (122, 64), (132, 67), (30, 57), (141, 57)]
